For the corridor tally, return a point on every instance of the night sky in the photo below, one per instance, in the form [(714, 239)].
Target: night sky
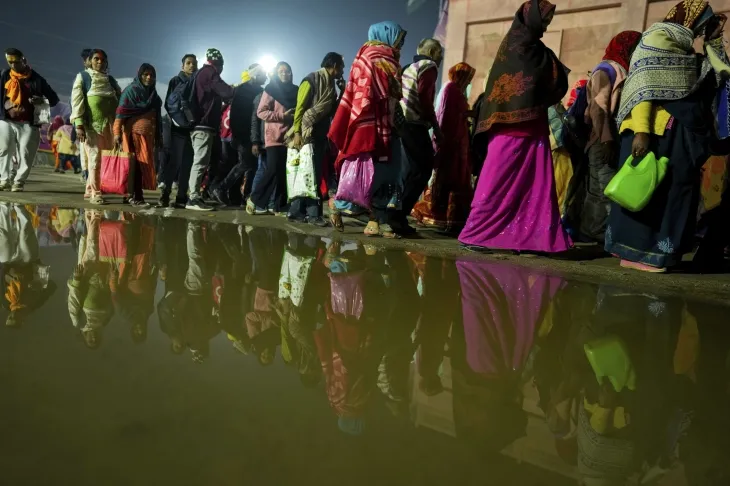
[(301, 32)]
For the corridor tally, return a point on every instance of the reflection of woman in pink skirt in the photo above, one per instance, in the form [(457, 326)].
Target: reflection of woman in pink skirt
[(515, 206)]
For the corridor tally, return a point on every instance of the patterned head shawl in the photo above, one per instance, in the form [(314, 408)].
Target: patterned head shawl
[(138, 99), (546, 8), (664, 65), (692, 14), (621, 47), (526, 77)]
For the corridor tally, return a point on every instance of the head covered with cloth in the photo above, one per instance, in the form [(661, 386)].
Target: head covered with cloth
[(362, 123), (669, 44), (527, 76), (461, 74), (621, 48), (141, 96)]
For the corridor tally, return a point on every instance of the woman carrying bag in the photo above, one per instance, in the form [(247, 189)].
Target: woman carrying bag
[(94, 99), (137, 130), (673, 122)]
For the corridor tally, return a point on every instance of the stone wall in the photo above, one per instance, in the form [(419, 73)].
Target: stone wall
[(579, 33)]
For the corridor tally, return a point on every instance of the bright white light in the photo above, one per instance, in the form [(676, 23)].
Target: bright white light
[(268, 62)]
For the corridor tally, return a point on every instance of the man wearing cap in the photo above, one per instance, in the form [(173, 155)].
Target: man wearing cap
[(211, 91)]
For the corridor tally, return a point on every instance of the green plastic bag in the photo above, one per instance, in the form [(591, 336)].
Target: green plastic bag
[(634, 184), (609, 358)]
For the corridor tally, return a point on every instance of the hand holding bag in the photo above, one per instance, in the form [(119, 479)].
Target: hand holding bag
[(300, 173), (117, 172), (634, 184), (356, 181)]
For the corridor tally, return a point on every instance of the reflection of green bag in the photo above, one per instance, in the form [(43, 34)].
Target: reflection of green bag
[(634, 184), (609, 358)]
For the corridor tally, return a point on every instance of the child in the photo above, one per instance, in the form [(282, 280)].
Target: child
[(68, 150)]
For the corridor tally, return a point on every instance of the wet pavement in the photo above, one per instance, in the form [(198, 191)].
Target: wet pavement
[(585, 262), (139, 349)]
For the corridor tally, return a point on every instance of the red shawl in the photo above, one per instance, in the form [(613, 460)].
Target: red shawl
[(349, 364), (621, 47), (363, 120)]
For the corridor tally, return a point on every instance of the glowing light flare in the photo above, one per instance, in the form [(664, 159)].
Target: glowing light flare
[(268, 62)]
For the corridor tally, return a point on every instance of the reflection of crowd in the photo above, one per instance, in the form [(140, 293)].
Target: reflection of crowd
[(24, 278), (505, 347)]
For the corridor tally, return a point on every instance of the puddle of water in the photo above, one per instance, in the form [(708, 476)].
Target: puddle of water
[(177, 352)]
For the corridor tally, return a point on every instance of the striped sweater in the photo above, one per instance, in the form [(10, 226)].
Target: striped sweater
[(412, 102)]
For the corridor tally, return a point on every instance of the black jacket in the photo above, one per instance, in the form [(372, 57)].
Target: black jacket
[(38, 87), (241, 110), (257, 124)]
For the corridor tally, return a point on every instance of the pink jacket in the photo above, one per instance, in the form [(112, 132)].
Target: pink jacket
[(272, 113)]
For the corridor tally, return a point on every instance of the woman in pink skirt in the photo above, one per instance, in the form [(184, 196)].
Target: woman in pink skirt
[(515, 206)]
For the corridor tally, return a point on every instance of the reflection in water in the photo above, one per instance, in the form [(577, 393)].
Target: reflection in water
[(542, 379), (24, 276)]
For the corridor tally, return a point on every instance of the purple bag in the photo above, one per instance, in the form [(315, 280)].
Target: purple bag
[(356, 180)]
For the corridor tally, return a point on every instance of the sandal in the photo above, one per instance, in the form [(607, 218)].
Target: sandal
[(372, 229), (250, 207), (97, 199), (138, 203), (336, 220), (387, 232), (642, 267)]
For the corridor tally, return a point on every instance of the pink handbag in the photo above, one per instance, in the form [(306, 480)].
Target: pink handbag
[(117, 172), (356, 181)]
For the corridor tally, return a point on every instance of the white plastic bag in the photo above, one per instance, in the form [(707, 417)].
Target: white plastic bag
[(42, 113), (300, 173), (293, 277)]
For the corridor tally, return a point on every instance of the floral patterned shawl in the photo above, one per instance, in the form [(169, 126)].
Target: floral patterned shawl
[(526, 77)]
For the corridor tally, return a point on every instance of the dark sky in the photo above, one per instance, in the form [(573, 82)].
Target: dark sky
[(52, 34)]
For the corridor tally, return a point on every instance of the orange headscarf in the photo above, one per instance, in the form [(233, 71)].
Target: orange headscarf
[(13, 89), (462, 74)]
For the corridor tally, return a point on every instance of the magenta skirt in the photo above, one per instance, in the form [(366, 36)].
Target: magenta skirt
[(515, 206)]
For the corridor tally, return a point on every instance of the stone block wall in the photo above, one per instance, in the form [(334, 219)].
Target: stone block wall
[(579, 32)]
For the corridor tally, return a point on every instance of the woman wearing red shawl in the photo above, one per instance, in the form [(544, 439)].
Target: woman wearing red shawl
[(588, 212), (516, 206), (362, 129), (446, 200), (137, 129), (349, 343)]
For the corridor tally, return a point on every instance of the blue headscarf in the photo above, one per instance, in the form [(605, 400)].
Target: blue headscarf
[(388, 32)]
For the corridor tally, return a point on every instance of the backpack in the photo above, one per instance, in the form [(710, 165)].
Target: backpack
[(182, 103)]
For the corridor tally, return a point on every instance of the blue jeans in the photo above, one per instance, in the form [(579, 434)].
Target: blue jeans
[(259, 175)]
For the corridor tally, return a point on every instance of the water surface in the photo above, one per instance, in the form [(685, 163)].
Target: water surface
[(144, 350)]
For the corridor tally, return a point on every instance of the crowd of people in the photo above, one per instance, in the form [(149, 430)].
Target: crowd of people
[(478, 333), (376, 147)]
